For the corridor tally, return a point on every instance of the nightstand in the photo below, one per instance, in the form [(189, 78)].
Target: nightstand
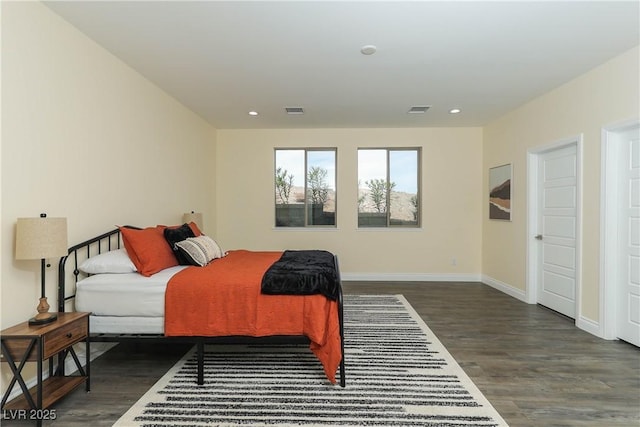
[(24, 343)]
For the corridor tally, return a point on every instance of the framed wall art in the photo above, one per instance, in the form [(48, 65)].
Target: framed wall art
[(500, 192)]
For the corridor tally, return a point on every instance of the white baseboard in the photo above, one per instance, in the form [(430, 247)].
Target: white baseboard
[(505, 288), (410, 277), (590, 326), (581, 322)]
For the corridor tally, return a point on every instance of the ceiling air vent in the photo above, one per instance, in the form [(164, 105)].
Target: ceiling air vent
[(419, 109), (294, 110)]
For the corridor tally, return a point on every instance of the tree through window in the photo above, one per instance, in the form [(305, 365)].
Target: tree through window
[(305, 187), (388, 187)]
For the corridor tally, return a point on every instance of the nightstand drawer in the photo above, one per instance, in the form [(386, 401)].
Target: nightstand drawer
[(65, 336), (56, 336)]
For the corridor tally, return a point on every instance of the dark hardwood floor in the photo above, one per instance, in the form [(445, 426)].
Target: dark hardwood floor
[(534, 366)]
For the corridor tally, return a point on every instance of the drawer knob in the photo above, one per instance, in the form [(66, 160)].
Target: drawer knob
[(69, 335)]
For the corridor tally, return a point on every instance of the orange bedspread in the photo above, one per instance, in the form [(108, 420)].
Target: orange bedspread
[(224, 299)]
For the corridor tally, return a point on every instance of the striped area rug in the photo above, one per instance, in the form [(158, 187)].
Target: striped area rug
[(398, 374)]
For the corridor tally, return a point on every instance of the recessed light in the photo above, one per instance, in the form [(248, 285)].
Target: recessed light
[(368, 49), (454, 111), (253, 113)]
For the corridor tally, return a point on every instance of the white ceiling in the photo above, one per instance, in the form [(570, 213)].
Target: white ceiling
[(224, 58)]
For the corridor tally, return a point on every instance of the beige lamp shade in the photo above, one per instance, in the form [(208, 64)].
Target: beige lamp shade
[(193, 217), (40, 238)]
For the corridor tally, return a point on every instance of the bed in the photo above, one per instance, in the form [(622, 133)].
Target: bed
[(233, 297)]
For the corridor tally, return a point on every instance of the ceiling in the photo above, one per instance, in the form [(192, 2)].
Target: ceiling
[(224, 58)]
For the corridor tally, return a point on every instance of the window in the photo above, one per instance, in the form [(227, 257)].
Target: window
[(388, 187), (305, 187)]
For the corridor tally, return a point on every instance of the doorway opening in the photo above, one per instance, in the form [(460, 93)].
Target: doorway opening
[(620, 231)]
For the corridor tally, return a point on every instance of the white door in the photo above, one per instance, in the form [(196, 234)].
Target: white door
[(557, 228), (629, 239)]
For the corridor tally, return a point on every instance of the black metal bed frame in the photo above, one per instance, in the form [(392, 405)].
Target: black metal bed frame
[(112, 240)]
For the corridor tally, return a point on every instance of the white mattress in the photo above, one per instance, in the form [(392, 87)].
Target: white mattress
[(126, 325), (124, 295)]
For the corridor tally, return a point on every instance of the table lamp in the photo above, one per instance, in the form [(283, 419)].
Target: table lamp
[(40, 238), (193, 216)]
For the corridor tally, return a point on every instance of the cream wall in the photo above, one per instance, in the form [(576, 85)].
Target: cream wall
[(601, 97), (87, 138), (452, 198)]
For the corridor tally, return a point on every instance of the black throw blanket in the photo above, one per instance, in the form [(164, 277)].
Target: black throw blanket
[(305, 272)]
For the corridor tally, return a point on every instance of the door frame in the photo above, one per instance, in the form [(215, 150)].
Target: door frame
[(609, 219), (534, 155)]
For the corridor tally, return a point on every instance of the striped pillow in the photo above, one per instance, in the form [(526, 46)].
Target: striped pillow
[(200, 250)]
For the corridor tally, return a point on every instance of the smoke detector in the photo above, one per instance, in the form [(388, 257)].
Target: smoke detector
[(368, 49)]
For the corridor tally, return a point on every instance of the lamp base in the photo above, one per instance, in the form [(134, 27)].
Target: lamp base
[(37, 320), (43, 317)]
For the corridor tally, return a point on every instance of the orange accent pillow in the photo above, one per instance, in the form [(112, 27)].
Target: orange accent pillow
[(148, 249), (194, 227)]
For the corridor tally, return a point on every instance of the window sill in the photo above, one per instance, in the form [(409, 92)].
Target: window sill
[(390, 229), (314, 229)]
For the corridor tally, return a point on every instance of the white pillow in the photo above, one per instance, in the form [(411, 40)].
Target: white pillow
[(200, 250), (116, 261)]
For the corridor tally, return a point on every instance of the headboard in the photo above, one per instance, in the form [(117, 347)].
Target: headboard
[(108, 241)]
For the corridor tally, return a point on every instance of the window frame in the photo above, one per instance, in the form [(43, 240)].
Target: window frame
[(388, 224), (307, 190)]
